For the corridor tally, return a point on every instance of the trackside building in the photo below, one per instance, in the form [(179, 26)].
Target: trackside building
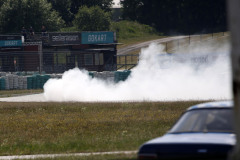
[(56, 52)]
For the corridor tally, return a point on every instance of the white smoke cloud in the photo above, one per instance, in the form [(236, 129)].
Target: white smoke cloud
[(198, 73)]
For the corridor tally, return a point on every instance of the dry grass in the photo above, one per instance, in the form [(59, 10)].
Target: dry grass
[(131, 41), (34, 128)]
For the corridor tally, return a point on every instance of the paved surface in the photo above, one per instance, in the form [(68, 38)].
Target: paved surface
[(64, 155), (134, 47), (25, 98)]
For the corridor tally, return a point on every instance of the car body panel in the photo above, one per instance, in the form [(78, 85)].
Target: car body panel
[(200, 138), (221, 104), (192, 145)]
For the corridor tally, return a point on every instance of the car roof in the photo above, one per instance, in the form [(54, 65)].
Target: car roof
[(210, 105)]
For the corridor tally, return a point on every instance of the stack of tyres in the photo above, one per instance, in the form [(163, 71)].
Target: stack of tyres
[(15, 82), (45, 78), (42, 81), (29, 82), (2, 84), (20, 82), (6, 82), (3, 74), (18, 73), (56, 76), (38, 81), (34, 82), (10, 81), (121, 75), (116, 76), (101, 75), (91, 74), (108, 76), (25, 82), (97, 75)]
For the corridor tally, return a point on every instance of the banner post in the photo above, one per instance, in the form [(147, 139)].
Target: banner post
[(234, 26)]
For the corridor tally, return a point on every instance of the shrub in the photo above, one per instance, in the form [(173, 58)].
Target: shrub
[(130, 29), (92, 19)]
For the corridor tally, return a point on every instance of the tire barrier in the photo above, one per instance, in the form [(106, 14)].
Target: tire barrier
[(16, 82), (121, 75), (23, 81), (116, 76), (106, 75)]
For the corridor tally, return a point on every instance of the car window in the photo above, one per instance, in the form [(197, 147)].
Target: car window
[(205, 120)]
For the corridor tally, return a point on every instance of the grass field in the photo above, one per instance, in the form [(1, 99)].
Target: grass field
[(129, 32), (40, 128), (45, 128)]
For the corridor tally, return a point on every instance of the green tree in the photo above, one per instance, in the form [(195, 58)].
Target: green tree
[(1, 2), (131, 9), (184, 16), (67, 9), (103, 4), (63, 7), (16, 14), (92, 19)]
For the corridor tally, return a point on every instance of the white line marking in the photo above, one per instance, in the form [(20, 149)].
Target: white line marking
[(63, 155)]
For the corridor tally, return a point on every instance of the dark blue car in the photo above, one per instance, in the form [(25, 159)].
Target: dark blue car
[(204, 131)]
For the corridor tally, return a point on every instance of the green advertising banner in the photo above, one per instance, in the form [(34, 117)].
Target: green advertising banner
[(10, 41), (97, 37)]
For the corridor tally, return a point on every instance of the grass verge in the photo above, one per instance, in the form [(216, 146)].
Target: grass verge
[(129, 32), (41, 128)]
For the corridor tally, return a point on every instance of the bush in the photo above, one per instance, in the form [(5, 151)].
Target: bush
[(130, 29), (92, 19), (16, 14)]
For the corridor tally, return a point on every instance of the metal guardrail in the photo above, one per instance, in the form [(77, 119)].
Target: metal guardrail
[(129, 61)]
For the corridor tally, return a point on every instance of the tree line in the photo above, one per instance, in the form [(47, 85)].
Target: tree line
[(178, 16), (166, 16), (54, 14)]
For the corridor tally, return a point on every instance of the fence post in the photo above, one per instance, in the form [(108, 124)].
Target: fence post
[(40, 57), (126, 62), (178, 44), (234, 23)]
